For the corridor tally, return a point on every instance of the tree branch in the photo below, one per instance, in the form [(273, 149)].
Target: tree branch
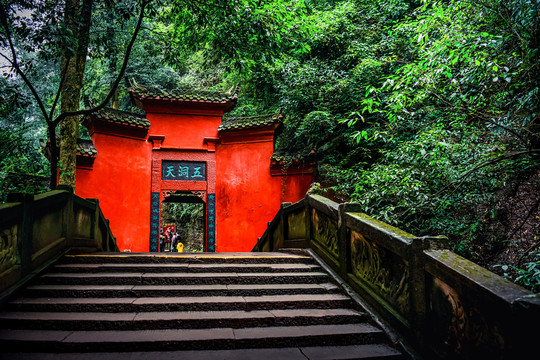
[(118, 79), (479, 116), (210, 5), (62, 80), (531, 210), (463, 177), (515, 133), (15, 64), (496, 160), (467, 174)]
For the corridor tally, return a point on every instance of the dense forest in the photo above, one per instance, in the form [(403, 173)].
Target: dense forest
[(424, 112)]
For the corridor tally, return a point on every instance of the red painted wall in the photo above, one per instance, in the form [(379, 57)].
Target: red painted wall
[(120, 179), (247, 196), (185, 131), (295, 187), (126, 170)]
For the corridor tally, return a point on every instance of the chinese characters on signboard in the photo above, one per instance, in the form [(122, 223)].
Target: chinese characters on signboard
[(183, 170), (154, 222), (211, 210)]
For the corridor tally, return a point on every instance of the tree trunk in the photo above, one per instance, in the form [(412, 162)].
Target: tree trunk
[(77, 17), (54, 154), (112, 54)]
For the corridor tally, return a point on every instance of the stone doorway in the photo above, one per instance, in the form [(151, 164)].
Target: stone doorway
[(183, 223)]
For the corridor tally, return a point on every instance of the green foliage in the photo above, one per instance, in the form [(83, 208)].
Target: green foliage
[(440, 100), (453, 122), (530, 275), (242, 33), (422, 184), (23, 168), (316, 129)]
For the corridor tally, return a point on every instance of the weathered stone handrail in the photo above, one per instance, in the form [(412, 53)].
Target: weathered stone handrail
[(37, 229), (443, 304)]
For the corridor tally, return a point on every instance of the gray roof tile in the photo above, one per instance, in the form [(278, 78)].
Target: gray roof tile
[(235, 123), (188, 95), (86, 148), (122, 117)]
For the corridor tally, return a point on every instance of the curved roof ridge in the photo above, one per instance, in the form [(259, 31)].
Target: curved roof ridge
[(122, 117), (185, 94), (273, 116), (235, 123)]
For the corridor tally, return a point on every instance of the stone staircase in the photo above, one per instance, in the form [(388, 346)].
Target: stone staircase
[(188, 306)]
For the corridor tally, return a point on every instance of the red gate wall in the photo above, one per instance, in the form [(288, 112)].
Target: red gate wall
[(126, 172)]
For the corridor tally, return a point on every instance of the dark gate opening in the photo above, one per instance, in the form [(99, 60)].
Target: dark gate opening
[(183, 225)]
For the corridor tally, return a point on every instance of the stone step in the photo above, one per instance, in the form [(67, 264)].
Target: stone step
[(190, 258), (188, 306), (183, 268), (153, 304), (109, 291), (189, 339), (176, 319), (138, 278), (359, 352)]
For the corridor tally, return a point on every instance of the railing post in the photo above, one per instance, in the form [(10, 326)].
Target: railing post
[(270, 236), (418, 283), (26, 230), (94, 227), (344, 244), (257, 247), (108, 237), (68, 215), (284, 221), (308, 221), (342, 241), (418, 289)]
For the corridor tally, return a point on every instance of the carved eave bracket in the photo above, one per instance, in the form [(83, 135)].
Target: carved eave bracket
[(157, 141), (168, 193), (211, 143)]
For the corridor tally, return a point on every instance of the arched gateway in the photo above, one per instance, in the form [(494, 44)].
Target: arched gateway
[(183, 150)]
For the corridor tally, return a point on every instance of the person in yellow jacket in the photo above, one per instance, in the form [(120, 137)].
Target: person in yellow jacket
[(176, 243)]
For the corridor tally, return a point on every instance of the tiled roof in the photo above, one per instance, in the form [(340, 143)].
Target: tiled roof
[(185, 95), (235, 123), (279, 157), (122, 117), (86, 148)]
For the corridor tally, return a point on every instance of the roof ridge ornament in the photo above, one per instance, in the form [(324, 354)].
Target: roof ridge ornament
[(184, 95)]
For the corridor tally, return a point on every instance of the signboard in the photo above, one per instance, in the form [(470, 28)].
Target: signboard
[(168, 227), (211, 211), (183, 170)]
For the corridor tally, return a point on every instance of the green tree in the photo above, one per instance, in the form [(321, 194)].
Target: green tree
[(441, 100), (237, 33), (241, 33), (23, 168), (55, 37), (458, 118), (77, 20)]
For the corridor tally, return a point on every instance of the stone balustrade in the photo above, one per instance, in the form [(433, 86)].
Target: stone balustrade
[(35, 230), (442, 304)]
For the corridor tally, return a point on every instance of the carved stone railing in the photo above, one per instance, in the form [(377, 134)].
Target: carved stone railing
[(35, 230), (444, 305)]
